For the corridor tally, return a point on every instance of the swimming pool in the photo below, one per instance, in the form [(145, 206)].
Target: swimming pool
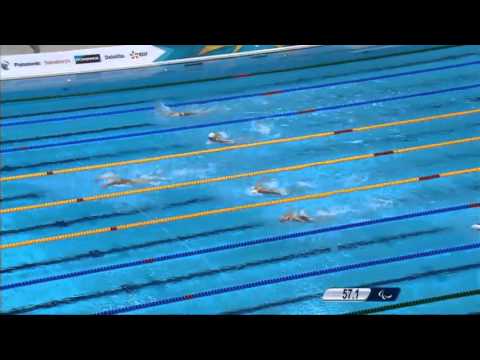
[(358, 147)]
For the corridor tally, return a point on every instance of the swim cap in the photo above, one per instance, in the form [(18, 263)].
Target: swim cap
[(211, 135)]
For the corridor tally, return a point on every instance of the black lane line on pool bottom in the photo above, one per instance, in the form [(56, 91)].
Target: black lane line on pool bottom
[(235, 97), (403, 65), (143, 245), (237, 121), (244, 75), (142, 262), (130, 288), (86, 108), (110, 156), (67, 223), (291, 277), (75, 117), (84, 132), (372, 70), (318, 296), (443, 105), (311, 150), (20, 197), (320, 86), (390, 138), (280, 83), (64, 223)]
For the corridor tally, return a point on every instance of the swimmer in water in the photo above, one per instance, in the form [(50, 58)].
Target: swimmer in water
[(166, 110), (297, 217), (111, 179), (476, 226), (181, 113), (219, 138), (262, 189)]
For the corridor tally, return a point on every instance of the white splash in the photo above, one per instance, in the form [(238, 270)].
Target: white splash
[(333, 211), (378, 203), (107, 176), (153, 179), (199, 172), (305, 184), (260, 128), (162, 108)]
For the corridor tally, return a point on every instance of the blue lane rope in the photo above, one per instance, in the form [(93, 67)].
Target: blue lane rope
[(235, 97), (298, 276), (233, 246), (312, 87), (256, 118)]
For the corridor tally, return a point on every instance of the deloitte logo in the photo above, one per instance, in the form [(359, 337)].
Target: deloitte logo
[(5, 65)]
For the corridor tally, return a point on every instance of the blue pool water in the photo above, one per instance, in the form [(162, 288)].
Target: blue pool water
[(426, 85)]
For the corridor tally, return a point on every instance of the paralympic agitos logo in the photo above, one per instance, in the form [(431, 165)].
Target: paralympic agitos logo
[(5, 65)]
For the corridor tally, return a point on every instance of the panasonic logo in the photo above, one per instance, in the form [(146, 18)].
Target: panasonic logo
[(36, 63)]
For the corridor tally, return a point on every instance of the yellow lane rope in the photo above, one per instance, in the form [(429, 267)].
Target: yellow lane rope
[(234, 177), (233, 209), (236, 147)]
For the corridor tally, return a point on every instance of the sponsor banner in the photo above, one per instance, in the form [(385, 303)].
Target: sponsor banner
[(78, 61)]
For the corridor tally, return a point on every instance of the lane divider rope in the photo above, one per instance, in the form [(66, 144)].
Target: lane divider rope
[(145, 190), (237, 121), (233, 209), (232, 246), (235, 76), (319, 86), (293, 277), (429, 300), (4, 121), (240, 146)]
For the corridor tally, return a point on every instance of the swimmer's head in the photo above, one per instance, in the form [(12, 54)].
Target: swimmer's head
[(212, 136), (285, 218)]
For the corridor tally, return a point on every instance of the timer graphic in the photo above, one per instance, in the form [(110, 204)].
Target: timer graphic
[(361, 294)]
